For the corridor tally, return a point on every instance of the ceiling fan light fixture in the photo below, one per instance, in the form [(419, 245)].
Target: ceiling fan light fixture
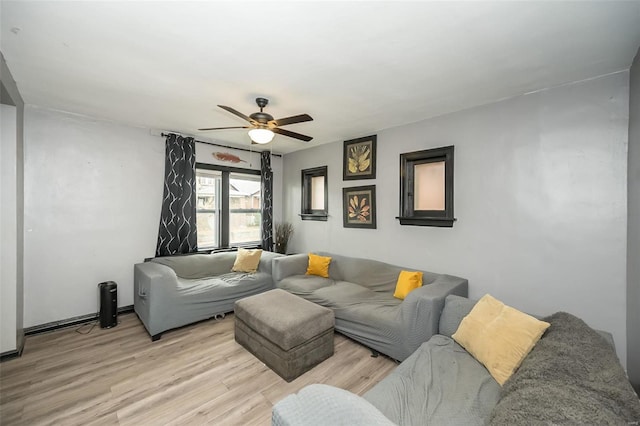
[(261, 136)]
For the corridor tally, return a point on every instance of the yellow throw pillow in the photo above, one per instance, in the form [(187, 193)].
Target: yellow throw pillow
[(318, 265), (407, 281), (247, 260), (499, 336)]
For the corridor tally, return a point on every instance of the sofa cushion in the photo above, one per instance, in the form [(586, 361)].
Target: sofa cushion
[(440, 382), (345, 294), (572, 376), (247, 260), (499, 336), (228, 285), (304, 285)]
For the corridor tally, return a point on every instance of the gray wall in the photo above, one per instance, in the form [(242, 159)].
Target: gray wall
[(92, 207), (540, 198), (633, 235), (11, 214)]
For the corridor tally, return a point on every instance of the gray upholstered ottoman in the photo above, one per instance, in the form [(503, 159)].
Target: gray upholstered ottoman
[(289, 334)]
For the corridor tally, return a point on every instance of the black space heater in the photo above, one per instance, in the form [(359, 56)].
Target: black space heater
[(108, 304)]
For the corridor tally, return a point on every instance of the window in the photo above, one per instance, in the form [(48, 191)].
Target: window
[(228, 209), (314, 194), (426, 187)]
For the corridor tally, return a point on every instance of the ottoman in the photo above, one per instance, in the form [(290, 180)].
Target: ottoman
[(289, 334)]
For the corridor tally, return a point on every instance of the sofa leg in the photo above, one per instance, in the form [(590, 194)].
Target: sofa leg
[(156, 337), (374, 353)]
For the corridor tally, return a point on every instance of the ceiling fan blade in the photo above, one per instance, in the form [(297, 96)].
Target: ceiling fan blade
[(301, 118), (238, 113), (292, 134), (223, 128)]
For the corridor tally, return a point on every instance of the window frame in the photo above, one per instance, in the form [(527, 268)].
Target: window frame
[(225, 210), (306, 212), (408, 214)]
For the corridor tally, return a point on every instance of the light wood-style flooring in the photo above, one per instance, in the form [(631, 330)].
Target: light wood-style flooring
[(194, 375)]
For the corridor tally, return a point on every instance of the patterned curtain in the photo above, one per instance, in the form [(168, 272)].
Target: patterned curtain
[(266, 175), (177, 233)]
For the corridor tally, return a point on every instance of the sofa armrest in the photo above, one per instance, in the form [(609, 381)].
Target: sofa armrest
[(152, 278), (287, 266), (152, 282), (320, 405), (266, 261), (421, 309)]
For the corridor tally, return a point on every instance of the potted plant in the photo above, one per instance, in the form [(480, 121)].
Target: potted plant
[(283, 233)]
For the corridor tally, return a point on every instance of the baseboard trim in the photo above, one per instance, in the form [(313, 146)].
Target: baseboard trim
[(5, 356), (69, 322)]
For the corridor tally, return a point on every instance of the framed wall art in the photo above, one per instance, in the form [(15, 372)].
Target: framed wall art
[(359, 158), (359, 207)]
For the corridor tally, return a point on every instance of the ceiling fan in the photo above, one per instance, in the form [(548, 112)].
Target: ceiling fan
[(263, 126)]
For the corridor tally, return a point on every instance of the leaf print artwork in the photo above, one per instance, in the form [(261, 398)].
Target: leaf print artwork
[(359, 210), (359, 207), (359, 158)]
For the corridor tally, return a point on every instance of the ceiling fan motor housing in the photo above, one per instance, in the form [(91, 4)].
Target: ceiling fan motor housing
[(261, 117)]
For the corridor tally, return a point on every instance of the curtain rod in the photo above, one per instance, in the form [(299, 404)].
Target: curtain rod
[(223, 146)]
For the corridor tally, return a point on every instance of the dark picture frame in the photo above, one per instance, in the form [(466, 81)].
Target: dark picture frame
[(359, 207), (359, 158)]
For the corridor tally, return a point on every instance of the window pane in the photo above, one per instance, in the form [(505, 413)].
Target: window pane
[(207, 207), (244, 191), (429, 186), (244, 194), (317, 193), (244, 227), (207, 224)]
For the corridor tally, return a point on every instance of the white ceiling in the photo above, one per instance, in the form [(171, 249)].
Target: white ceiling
[(355, 67)]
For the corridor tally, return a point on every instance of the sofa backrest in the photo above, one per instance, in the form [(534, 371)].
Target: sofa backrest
[(455, 308), (196, 266), (373, 274)]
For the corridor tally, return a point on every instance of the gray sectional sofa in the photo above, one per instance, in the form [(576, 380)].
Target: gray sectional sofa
[(572, 376), (360, 293), (173, 291)]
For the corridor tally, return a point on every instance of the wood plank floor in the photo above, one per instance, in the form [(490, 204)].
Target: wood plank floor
[(194, 375)]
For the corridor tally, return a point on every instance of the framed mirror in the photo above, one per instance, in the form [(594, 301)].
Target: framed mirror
[(315, 195), (426, 187)]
